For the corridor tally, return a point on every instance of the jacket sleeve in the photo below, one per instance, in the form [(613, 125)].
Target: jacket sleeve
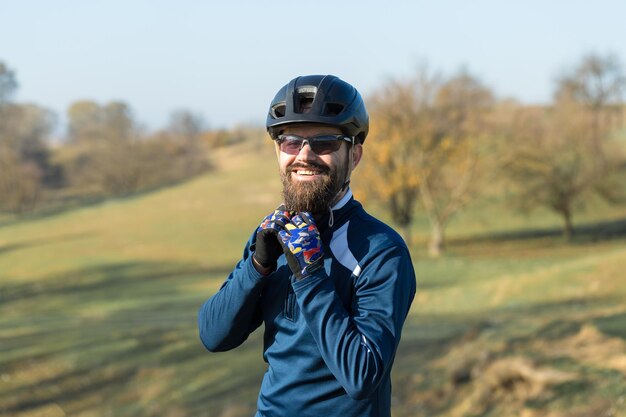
[(359, 345), (227, 318)]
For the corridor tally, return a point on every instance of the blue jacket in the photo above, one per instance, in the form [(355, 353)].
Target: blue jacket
[(330, 339)]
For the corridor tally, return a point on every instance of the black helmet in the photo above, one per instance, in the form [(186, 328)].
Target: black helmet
[(323, 99)]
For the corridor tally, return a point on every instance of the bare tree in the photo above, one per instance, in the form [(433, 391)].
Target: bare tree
[(401, 124), (454, 170), (563, 155), (186, 124), (85, 122), (102, 148), (556, 164), (185, 130), (108, 154), (597, 84), (428, 145)]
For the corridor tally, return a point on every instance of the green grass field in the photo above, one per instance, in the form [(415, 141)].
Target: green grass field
[(98, 308)]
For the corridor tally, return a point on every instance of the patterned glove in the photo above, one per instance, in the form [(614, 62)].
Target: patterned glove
[(302, 245), (267, 247)]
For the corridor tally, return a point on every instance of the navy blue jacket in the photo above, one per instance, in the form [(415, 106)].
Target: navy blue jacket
[(330, 339)]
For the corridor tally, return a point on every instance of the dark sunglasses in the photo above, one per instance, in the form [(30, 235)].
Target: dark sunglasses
[(321, 145)]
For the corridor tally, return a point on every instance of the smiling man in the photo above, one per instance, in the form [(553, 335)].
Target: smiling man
[(331, 284)]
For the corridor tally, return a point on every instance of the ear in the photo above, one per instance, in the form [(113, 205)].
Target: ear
[(357, 152)]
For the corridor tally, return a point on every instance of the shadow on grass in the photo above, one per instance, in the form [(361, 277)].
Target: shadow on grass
[(614, 325), (55, 209), (66, 388), (42, 242), (142, 316), (429, 337), (435, 348), (564, 306), (89, 332), (140, 278), (585, 233), (80, 202)]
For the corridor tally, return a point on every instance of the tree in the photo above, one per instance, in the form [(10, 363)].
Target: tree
[(400, 114), (102, 148), (564, 155), (597, 84), (556, 164), (108, 155), (186, 125), (90, 122), (185, 130), (24, 155), (25, 130), (8, 83), (429, 145), (455, 166), (20, 183), (84, 122)]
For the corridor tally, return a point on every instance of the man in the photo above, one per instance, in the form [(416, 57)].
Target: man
[(332, 284)]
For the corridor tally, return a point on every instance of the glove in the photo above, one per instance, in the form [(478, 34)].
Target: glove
[(267, 247), (302, 245)]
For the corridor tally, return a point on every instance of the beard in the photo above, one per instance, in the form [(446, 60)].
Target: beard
[(311, 196)]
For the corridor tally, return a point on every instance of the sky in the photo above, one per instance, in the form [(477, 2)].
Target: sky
[(226, 60)]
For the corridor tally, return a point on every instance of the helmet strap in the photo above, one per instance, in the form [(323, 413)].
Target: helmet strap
[(346, 181), (347, 175)]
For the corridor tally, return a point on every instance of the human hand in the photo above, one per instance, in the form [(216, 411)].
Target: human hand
[(302, 245), (267, 247)]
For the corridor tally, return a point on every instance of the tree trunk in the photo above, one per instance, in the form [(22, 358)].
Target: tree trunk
[(406, 234), (435, 246), (568, 227)]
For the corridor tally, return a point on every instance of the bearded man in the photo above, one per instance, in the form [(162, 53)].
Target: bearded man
[(331, 284)]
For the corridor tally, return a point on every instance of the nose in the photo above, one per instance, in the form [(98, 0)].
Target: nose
[(306, 153)]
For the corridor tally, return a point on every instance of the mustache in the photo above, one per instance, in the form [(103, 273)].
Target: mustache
[(318, 167)]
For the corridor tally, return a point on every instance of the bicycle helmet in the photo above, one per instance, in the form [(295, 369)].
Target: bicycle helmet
[(323, 99)]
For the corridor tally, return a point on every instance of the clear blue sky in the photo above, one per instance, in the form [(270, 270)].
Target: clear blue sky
[(226, 60)]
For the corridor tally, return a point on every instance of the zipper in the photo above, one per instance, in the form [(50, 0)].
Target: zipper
[(290, 304)]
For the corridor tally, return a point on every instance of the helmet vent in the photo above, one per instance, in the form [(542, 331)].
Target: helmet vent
[(333, 109), (278, 110), (305, 96), (308, 90), (306, 104)]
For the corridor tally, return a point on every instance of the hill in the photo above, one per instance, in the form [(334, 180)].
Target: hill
[(98, 308)]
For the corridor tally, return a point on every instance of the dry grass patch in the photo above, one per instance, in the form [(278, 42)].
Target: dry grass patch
[(589, 346), (508, 382)]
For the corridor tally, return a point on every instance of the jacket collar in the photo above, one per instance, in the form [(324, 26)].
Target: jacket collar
[(340, 212), (344, 200)]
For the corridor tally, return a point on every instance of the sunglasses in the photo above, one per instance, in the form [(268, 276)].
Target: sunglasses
[(321, 145)]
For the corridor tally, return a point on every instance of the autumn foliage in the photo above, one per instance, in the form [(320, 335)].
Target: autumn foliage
[(429, 146), (438, 142)]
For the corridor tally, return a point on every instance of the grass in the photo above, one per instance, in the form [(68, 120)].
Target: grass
[(98, 308)]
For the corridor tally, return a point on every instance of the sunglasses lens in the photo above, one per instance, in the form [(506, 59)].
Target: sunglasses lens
[(321, 145), (290, 146)]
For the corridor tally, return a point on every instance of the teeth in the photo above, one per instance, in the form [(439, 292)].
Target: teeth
[(306, 172)]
